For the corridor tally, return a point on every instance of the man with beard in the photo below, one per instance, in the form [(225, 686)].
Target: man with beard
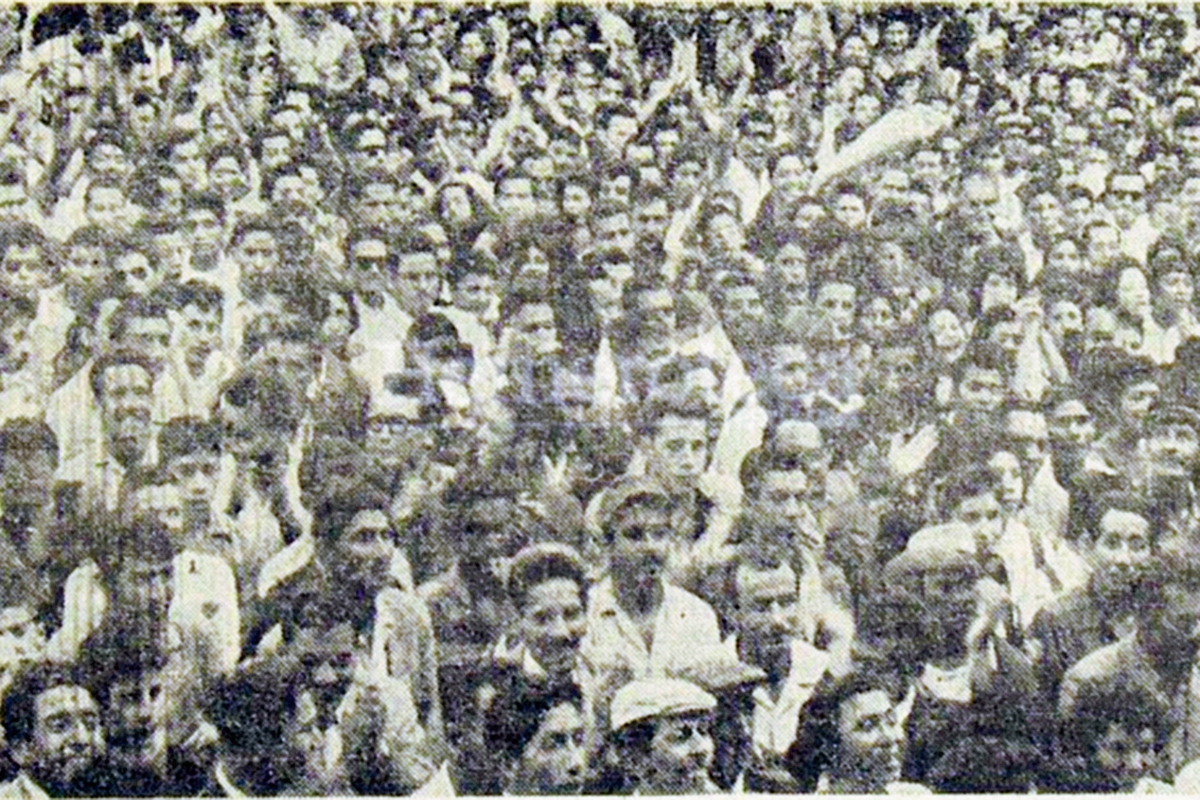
[(662, 732), (52, 727), (1072, 430), (1116, 539), (1160, 655)]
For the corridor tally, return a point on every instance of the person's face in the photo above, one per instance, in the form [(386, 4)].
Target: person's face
[(189, 166), (1121, 550), (226, 178), (642, 542), (784, 509), (21, 636), (981, 389), (106, 208), (656, 316), (416, 282), (554, 761), (615, 192), (553, 622), (1072, 425), (742, 311), (789, 178), (615, 232), (999, 291), (1066, 320), (126, 408), (850, 211), (258, 254), (1007, 469), (1063, 258), (681, 753), (515, 198), (946, 330), (1173, 448), (791, 367), (1046, 214), (576, 202), (163, 503), (727, 234), (982, 199), (475, 292), (86, 265), (276, 151), (196, 476), (1177, 616), (855, 52), (679, 450), (25, 269), (365, 549), (135, 709), (768, 615), (1137, 400), (1104, 244), (148, 336), (456, 205), (68, 738), (895, 370), (927, 168), (895, 36), (205, 230), (1133, 293), (791, 265), (108, 162), (652, 221), (535, 330), (870, 738), (198, 332), (836, 304), (1122, 757), (1177, 289), (982, 513)]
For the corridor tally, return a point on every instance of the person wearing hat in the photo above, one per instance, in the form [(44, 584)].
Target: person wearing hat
[(1160, 655), (851, 738), (638, 624), (951, 628), (662, 734)]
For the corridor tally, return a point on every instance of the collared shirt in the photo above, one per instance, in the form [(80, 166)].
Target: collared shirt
[(614, 642), (179, 394), (776, 721), (1125, 662), (376, 348)]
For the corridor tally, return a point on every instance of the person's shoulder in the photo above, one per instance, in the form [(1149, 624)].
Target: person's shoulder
[(686, 603), (1099, 665), (439, 587)]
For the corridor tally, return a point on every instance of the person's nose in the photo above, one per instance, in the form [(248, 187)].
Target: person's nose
[(1123, 556), (576, 761)]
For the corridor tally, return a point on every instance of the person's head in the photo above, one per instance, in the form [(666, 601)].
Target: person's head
[(637, 530), (687, 174), (417, 277), (768, 614), (1116, 733), (1173, 440), (196, 321), (781, 503), (946, 331), (122, 384), (1133, 293), (1065, 321), (1103, 241), (1071, 426), (52, 726), (17, 315), (663, 731), (1167, 601), (848, 208), (357, 541), (614, 231), (979, 379), (650, 313), (190, 454), (256, 248), (106, 206), (1028, 436), (514, 197), (837, 307), (972, 499), (549, 590), (851, 731), (740, 305), (28, 458), (540, 737), (677, 431), (1046, 215), (1010, 480), (473, 282), (29, 260), (1117, 536), (142, 326)]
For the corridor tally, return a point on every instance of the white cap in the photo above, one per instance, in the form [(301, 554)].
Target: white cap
[(650, 698)]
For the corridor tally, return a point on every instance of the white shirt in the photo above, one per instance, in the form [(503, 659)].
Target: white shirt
[(776, 721)]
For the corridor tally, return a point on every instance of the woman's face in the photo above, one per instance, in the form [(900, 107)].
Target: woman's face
[(1133, 293)]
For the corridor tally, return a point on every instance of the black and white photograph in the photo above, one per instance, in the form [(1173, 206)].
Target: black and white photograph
[(614, 398)]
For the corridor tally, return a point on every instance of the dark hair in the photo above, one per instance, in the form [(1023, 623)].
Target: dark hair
[(514, 718), (817, 743), (203, 295), (22, 435), (115, 359), (966, 484), (1099, 705), (543, 567), (19, 707)]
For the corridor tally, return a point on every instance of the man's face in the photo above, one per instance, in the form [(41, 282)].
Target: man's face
[(982, 513), (1063, 259), (1028, 435), (475, 292), (197, 332), (515, 199), (196, 476), (615, 232), (1071, 424), (870, 738), (258, 254), (1006, 467), (616, 192), (1046, 214), (768, 614), (125, 404), (642, 542), (652, 219), (850, 211), (784, 508), (25, 269), (205, 230), (836, 303), (1178, 616), (1133, 294), (895, 36), (742, 312), (534, 331), (108, 163), (394, 442), (136, 709), (927, 169), (895, 370), (148, 336), (553, 622), (189, 165), (1120, 551), (226, 178), (1066, 320), (656, 316), (1122, 756), (791, 367), (365, 549), (276, 151), (576, 202), (86, 265), (679, 450), (68, 738), (1138, 399), (21, 636), (416, 282), (688, 177), (1172, 448), (981, 389), (554, 761), (1104, 245), (681, 753), (1177, 289)]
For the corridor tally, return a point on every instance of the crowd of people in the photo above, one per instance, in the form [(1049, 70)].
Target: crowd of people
[(616, 399)]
